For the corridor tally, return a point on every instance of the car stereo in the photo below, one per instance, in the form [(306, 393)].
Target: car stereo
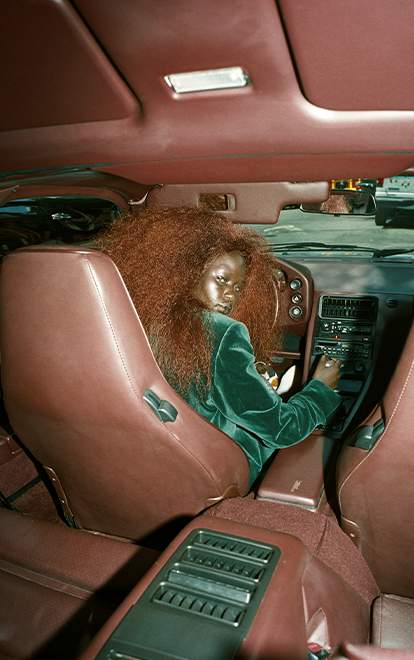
[(345, 328)]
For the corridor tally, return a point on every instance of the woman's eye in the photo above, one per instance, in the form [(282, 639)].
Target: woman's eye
[(220, 279), (237, 288)]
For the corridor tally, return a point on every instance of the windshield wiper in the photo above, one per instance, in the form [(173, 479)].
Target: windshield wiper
[(391, 252), (323, 246), (318, 247)]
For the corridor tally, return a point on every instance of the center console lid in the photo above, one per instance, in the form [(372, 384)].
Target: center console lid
[(296, 474)]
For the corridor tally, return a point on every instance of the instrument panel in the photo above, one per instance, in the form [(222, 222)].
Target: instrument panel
[(358, 312)]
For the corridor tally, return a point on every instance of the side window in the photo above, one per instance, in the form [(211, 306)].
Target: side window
[(53, 220)]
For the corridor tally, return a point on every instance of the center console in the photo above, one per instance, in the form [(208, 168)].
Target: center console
[(209, 589), (345, 328), (224, 589)]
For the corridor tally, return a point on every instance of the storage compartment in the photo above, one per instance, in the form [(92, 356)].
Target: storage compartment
[(296, 474)]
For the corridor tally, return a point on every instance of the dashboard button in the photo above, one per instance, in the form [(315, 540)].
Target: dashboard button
[(295, 284), (295, 312)]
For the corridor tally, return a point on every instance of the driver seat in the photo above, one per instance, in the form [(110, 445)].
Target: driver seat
[(125, 454)]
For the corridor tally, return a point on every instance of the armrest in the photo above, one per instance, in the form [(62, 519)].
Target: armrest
[(295, 475)]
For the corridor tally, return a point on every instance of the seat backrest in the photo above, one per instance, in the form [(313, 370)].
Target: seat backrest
[(75, 366), (376, 487)]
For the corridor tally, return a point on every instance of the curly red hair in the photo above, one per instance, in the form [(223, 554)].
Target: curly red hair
[(161, 255)]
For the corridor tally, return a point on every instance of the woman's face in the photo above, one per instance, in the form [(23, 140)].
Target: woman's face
[(222, 282)]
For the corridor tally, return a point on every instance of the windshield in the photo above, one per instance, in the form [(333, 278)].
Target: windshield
[(297, 231)]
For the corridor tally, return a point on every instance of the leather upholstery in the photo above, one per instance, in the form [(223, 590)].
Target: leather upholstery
[(301, 588), (376, 487), (75, 364), (393, 622), (58, 585), (349, 651), (296, 474)]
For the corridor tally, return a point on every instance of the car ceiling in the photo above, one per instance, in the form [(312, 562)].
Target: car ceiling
[(331, 92)]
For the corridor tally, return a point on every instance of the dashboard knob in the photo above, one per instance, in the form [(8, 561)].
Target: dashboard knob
[(295, 312), (280, 278), (295, 284), (297, 298)]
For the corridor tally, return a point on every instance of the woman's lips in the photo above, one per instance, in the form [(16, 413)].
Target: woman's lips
[(224, 309)]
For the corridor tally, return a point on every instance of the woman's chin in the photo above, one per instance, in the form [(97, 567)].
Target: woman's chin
[(223, 309)]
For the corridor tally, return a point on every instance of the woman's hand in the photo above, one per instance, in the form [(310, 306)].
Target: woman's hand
[(328, 371)]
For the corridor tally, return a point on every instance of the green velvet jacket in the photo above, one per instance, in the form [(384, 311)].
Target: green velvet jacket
[(242, 405)]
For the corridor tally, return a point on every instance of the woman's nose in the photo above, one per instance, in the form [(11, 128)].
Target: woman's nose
[(229, 294)]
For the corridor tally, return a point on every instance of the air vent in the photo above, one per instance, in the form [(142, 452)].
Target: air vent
[(215, 576), (233, 546), (201, 605), (222, 564), (341, 307)]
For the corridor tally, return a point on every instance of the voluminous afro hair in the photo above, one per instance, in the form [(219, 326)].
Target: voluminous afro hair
[(161, 255)]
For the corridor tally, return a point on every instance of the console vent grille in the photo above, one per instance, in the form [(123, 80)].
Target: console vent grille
[(208, 607), (216, 576), (209, 589), (344, 307), (220, 563), (233, 547)]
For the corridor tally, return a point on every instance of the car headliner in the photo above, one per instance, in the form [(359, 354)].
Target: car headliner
[(329, 95)]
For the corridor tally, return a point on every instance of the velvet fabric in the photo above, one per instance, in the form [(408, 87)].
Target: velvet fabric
[(242, 405)]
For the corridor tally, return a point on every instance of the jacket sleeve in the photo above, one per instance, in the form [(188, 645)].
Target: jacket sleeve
[(244, 397)]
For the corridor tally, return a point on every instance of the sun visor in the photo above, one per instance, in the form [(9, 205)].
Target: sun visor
[(253, 203)]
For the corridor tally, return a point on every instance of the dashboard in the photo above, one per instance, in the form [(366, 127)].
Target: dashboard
[(357, 310)]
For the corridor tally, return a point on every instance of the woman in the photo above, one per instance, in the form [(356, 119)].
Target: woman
[(204, 291)]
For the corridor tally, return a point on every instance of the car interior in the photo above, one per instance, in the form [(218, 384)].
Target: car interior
[(128, 527)]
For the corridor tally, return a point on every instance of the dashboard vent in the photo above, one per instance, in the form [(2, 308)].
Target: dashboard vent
[(344, 307)]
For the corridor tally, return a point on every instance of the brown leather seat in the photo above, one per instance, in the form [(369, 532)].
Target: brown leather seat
[(376, 486), (59, 585), (75, 367), (393, 622), (392, 635)]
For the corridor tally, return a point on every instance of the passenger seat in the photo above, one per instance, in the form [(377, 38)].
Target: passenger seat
[(58, 585)]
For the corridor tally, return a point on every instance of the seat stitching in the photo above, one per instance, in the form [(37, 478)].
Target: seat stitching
[(381, 616), (170, 433), (401, 395), (47, 581), (111, 326), (382, 436)]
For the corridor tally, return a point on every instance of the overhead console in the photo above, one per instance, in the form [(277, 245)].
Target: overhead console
[(345, 329)]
